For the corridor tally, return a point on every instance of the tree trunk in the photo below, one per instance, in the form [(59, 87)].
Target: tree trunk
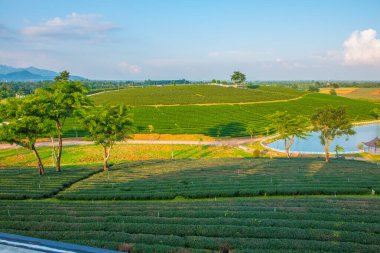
[(287, 147), (41, 170), (106, 157), (58, 167), (59, 155), (327, 152)]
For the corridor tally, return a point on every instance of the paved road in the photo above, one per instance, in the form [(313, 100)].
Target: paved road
[(231, 142)]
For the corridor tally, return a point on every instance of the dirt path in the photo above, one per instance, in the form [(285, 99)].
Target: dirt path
[(231, 142)]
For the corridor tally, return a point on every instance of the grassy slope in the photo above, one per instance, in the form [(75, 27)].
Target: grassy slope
[(193, 94), (260, 225), (230, 120), (228, 178), (89, 154)]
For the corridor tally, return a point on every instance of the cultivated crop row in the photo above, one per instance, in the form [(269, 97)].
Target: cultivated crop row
[(22, 183), (228, 178), (229, 120), (194, 94), (289, 224)]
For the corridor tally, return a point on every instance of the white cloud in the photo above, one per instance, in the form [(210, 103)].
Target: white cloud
[(133, 69), (73, 26), (362, 47)]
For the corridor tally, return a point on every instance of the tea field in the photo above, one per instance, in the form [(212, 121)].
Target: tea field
[(312, 224), (229, 120), (24, 183), (210, 178), (194, 94)]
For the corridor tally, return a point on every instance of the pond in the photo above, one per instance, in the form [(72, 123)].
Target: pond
[(312, 143)]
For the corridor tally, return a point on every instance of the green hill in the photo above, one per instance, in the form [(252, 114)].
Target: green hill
[(230, 119), (194, 94)]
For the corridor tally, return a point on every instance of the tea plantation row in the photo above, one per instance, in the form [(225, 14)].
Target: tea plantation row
[(229, 120), (194, 94), (22, 183), (209, 178), (244, 225)]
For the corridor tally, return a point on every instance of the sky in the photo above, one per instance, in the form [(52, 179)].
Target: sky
[(194, 39)]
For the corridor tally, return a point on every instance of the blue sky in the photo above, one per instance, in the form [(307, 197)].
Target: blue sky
[(195, 39)]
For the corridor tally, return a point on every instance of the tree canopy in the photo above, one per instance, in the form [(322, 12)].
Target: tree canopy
[(59, 101), (288, 127), (107, 124), (331, 123), (237, 77), (23, 127)]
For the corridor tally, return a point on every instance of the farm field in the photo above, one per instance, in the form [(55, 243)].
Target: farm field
[(209, 178), (22, 183), (92, 154), (194, 94), (364, 93), (303, 224), (229, 120)]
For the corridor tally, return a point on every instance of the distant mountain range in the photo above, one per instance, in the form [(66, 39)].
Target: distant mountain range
[(9, 73)]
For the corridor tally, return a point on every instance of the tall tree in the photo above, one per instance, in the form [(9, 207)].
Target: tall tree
[(331, 123), (237, 77), (107, 124), (22, 127), (288, 127), (60, 101)]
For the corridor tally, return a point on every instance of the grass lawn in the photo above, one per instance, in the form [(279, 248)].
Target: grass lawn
[(93, 154)]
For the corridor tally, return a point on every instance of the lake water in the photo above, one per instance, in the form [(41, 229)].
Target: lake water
[(312, 143)]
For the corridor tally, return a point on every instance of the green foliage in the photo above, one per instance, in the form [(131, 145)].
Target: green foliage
[(108, 124), (209, 178), (313, 89), (238, 77), (60, 101), (23, 125), (375, 112), (331, 122), (288, 127), (22, 183), (193, 94), (333, 92), (265, 225), (338, 149), (231, 120)]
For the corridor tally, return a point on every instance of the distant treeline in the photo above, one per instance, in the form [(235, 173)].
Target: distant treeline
[(10, 89)]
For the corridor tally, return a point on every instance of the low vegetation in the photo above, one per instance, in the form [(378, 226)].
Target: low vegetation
[(209, 178), (23, 183), (230, 120), (91, 154), (194, 94), (315, 224)]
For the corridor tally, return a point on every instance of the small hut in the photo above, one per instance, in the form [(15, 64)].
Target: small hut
[(372, 143)]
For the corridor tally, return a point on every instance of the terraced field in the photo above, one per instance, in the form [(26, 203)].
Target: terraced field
[(229, 120), (209, 178), (317, 224), (194, 94), (22, 183)]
